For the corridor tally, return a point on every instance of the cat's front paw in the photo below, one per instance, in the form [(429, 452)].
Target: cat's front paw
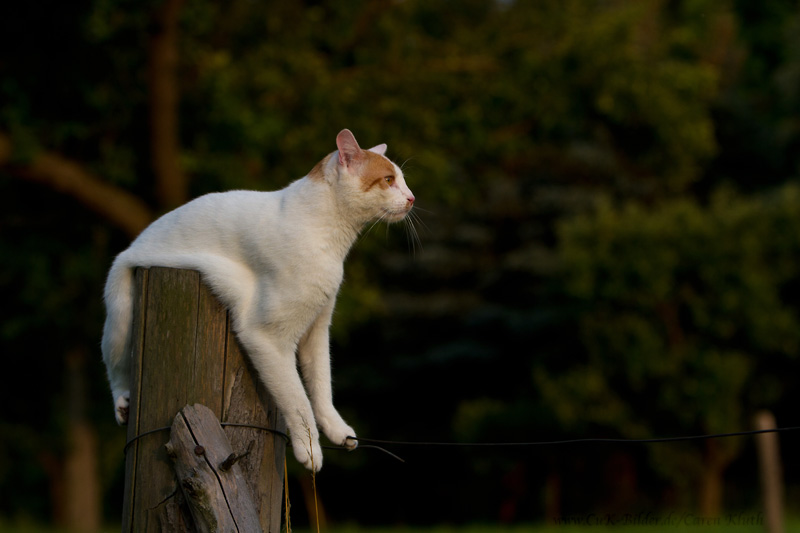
[(121, 407), (341, 434), (308, 453)]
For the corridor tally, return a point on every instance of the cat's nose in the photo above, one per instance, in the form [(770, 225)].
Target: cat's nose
[(410, 199)]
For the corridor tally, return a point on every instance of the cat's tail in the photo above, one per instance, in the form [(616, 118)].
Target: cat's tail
[(116, 344)]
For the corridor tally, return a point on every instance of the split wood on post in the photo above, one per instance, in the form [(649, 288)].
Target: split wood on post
[(211, 482), (184, 352)]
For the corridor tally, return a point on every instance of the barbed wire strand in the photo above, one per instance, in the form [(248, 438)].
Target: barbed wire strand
[(374, 443), (579, 441)]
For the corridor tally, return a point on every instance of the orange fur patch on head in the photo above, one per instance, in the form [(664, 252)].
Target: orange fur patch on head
[(374, 171), (318, 172)]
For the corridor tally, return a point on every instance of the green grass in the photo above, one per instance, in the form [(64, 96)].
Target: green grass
[(620, 525), (681, 522), (31, 527)]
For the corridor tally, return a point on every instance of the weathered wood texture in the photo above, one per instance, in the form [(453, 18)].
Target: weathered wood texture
[(185, 352), (211, 482)]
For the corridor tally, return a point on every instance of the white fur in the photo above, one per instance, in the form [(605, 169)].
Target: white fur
[(275, 259)]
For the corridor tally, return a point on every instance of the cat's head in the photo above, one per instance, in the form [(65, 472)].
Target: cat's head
[(366, 182)]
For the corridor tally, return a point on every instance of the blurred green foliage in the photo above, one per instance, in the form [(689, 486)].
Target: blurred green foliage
[(689, 314), (608, 191)]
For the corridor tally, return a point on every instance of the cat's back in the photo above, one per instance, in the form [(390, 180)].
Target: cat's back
[(224, 206), (214, 221)]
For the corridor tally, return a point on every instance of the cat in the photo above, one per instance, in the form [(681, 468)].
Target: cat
[(276, 261)]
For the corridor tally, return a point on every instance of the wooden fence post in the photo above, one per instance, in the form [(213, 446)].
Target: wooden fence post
[(184, 353), (769, 466)]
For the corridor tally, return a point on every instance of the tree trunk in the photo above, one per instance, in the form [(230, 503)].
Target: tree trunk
[(711, 492), (552, 497), (81, 490), (171, 182), (717, 459)]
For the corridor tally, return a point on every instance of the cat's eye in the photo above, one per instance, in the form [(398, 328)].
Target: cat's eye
[(389, 179)]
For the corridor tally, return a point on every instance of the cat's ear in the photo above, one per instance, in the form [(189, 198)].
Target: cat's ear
[(380, 149), (349, 150)]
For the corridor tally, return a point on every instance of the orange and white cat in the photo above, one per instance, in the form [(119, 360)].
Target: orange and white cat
[(275, 260)]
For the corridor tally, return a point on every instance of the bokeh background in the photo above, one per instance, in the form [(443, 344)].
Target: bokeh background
[(609, 208)]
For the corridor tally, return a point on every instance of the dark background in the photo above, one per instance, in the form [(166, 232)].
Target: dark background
[(608, 201)]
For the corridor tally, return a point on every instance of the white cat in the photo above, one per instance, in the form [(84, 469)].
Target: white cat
[(275, 259)]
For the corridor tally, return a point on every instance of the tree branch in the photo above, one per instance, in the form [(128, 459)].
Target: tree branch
[(118, 206)]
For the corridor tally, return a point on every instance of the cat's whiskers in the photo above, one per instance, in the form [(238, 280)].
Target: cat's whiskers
[(411, 231), (375, 223), (418, 218), (412, 234), (403, 165)]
